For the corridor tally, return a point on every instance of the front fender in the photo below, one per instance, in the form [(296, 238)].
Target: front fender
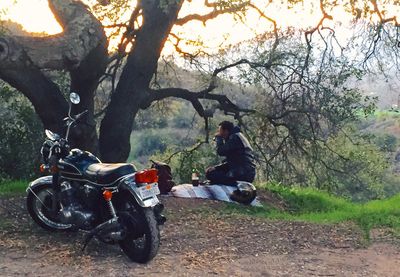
[(39, 181), (128, 184)]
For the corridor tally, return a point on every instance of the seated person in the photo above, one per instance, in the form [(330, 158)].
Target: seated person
[(239, 163)]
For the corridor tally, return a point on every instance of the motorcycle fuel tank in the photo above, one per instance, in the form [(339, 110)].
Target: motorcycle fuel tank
[(76, 163)]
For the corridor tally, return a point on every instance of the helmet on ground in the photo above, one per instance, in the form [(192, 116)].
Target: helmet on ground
[(245, 193)]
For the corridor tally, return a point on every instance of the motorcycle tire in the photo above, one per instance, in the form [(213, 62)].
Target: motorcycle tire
[(38, 211), (150, 238)]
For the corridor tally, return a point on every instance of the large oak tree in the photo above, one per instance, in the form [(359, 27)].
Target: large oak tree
[(82, 50)]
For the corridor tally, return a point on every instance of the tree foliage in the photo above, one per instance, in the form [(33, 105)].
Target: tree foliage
[(20, 136)]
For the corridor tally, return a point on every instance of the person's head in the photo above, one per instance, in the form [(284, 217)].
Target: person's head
[(225, 129)]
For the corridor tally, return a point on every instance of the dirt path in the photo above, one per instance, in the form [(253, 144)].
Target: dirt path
[(200, 241)]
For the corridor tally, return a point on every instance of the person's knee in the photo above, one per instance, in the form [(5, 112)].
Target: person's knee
[(249, 178), (210, 169), (210, 173)]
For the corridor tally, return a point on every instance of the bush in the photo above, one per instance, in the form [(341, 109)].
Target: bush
[(21, 136), (184, 161), (386, 142), (148, 142)]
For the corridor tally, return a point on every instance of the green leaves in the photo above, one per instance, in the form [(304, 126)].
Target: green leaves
[(21, 135)]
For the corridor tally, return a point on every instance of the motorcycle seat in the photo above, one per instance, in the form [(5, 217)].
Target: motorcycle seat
[(106, 174)]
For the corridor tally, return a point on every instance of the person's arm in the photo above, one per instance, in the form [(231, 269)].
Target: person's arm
[(224, 148)]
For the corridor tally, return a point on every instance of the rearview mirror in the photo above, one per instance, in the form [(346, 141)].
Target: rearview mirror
[(74, 98)]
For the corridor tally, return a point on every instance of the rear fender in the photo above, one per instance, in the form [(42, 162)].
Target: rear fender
[(128, 184)]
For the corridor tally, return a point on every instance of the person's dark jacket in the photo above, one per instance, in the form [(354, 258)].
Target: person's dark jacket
[(239, 155)]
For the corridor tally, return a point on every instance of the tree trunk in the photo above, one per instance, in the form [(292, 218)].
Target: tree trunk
[(133, 86), (84, 81), (81, 49), (18, 71)]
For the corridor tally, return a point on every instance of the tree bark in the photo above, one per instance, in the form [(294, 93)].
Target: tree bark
[(133, 87), (84, 81), (18, 71), (81, 49)]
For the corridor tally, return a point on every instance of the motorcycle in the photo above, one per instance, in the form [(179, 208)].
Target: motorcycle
[(114, 203)]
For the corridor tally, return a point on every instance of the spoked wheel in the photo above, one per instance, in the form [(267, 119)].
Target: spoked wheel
[(143, 235), (39, 203)]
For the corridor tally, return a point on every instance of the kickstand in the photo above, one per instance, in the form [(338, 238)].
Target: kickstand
[(88, 238), (98, 229)]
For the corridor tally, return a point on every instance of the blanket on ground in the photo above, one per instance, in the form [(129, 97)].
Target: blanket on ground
[(213, 192)]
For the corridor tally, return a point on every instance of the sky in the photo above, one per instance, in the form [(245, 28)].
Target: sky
[(35, 16)]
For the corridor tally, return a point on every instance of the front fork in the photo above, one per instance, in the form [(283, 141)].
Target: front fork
[(56, 196)]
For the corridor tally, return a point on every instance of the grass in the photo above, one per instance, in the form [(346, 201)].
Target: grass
[(311, 205), (386, 114), (304, 204), (10, 188)]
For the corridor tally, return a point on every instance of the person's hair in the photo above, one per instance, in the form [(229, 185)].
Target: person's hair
[(226, 125)]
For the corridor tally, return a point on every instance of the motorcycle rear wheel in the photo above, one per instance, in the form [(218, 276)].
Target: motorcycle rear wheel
[(38, 202), (142, 248)]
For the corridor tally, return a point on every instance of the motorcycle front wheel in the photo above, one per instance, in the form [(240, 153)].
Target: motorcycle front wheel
[(39, 203), (140, 247)]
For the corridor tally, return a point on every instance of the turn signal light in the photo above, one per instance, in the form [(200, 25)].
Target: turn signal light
[(42, 168), (107, 195), (147, 176)]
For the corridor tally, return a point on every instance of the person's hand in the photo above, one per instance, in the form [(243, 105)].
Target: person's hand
[(217, 137)]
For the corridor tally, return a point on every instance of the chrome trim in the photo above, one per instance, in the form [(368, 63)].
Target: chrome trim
[(125, 182), (94, 183)]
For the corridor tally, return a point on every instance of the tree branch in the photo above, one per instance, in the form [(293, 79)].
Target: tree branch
[(224, 103), (213, 14), (81, 49), (82, 34)]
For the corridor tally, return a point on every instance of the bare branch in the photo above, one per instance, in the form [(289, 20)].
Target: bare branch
[(224, 103), (211, 15)]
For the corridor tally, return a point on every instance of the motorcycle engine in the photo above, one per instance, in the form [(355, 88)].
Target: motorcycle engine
[(72, 211)]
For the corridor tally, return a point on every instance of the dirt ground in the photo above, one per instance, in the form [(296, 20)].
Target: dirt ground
[(199, 240)]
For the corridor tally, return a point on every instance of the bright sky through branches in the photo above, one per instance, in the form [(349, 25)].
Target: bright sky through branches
[(35, 16)]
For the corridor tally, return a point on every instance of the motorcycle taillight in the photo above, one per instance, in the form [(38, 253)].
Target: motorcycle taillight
[(147, 176)]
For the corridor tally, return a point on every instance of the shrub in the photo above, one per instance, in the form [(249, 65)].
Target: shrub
[(184, 161), (21, 136), (386, 142)]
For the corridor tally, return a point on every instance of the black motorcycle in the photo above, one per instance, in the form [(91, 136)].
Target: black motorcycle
[(112, 202)]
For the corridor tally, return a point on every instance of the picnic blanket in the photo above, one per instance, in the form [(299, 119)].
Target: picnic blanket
[(213, 192)]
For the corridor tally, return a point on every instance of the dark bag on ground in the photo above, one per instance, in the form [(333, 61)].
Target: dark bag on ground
[(165, 182)]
